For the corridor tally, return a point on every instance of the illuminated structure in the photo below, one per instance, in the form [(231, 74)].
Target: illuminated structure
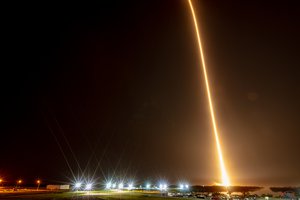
[(225, 178)]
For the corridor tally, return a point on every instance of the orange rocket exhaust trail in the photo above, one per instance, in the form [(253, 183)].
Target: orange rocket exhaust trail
[(225, 178)]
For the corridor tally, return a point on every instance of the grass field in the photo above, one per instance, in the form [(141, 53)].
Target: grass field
[(85, 195)]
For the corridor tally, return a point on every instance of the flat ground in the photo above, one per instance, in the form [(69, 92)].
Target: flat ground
[(94, 195), (104, 195)]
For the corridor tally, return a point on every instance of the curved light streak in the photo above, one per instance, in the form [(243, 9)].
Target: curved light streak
[(225, 178)]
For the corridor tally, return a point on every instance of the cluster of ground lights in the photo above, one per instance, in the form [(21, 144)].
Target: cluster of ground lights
[(162, 186)]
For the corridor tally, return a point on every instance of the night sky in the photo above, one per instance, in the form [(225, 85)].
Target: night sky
[(120, 83)]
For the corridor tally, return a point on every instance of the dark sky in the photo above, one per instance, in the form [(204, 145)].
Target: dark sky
[(120, 82)]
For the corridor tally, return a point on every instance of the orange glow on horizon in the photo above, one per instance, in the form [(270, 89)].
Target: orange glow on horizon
[(225, 178)]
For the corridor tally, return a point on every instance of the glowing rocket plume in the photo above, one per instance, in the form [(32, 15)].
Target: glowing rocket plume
[(225, 178)]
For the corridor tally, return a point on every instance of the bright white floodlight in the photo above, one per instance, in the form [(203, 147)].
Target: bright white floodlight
[(181, 186), (186, 186), (88, 186), (121, 186), (148, 186), (108, 185), (77, 185), (130, 186), (160, 186), (114, 185), (165, 186)]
